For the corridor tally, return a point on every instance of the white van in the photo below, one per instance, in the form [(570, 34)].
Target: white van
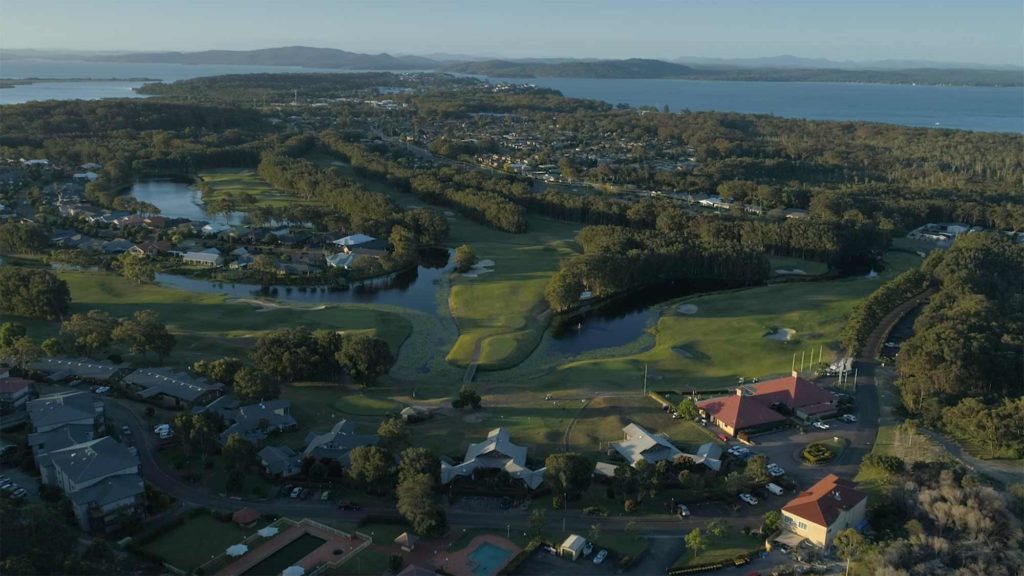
[(775, 489)]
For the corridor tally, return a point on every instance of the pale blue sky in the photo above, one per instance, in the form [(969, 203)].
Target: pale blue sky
[(985, 31)]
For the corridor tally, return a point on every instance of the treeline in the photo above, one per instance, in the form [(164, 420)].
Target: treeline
[(968, 341), (479, 198), (33, 293), (300, 354), (22, 238), (868, 313), (617, 259)]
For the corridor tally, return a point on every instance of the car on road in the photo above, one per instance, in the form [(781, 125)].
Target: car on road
[(820, 425), (102, 389), (749, 499), (126, 431), (600, 556), (849, 418), (295, 492), (682, 511)]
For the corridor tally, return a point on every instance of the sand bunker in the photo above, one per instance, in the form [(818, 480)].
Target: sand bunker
[(264, 306), (687, 309), (481, 267), (790, 272), (783, 334), (474, 418)]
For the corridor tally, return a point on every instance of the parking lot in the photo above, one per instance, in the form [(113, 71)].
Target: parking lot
[(544, 563), (28, 482)]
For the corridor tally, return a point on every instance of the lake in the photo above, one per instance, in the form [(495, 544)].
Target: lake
[(415, 288), (177, 199), (967, 108)]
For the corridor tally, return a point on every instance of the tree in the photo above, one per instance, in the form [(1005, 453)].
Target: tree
[(848, 544), (252, 385), (370, 466), (465, 257), (568, 473), (33, 293), (594, 533), (695, 541), (418, 460), (392, 434), (265, 266), (365, 358), (757, 470), (52, 347), (403, 243), (771, 522), (417, 504), (203, 434), (715, 528), (224, 369), (239, 455), (538, 518), (22, 352), (90, 333), (139, 269), (9, 332), (687, 409), (143, 333), (467, 397)]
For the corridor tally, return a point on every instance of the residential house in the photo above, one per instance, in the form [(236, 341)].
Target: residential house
[(100, 478), (348, 242), (341, 260), (85, 176), (715, 202), (763, 406), (497, 452), (149, 248), (210, 257), (172, 388), (337, 443), (572, 547), (256, 421), (57, 410), (640, 445), (825, 509), (14, 394), (117, 246), (280, 461)]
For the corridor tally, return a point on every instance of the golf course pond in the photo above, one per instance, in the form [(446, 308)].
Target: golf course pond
[(180, 199)]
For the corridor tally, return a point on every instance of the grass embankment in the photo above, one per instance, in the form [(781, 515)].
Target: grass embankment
[(723, 339), (242, 182), (196, 542), (722, 549), (207, 326)]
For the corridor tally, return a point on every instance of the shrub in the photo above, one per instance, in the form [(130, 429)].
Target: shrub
[(817, 453), (629, 505)]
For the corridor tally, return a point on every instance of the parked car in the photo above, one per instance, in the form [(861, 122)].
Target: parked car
[(20, 493), (286, 490), (325, 495), (749, 499), (587, 549), (723, 437), (849, 418), (820, 425), (161, 428), (682, 510), (126, 431), (600, 556), (75, 383), (785, 549), (295, 492), (774, 488), (102, 389), (775, 471), (676, 416)]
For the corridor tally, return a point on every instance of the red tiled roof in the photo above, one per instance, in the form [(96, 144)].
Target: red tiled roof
[(245, 516), (793, 391), (822, 503), (13, 385), (740, 411)]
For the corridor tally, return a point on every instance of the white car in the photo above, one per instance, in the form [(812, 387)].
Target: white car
[(774, 488), (600, 556), (749, 499), (849, 418), (161, 428), (295, 492), (774, 470), (103, 389), (820, 425)]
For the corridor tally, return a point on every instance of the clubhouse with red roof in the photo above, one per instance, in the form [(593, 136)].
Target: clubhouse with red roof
[(767, 405)]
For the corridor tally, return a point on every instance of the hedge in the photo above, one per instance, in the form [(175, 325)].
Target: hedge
[(525, 553)]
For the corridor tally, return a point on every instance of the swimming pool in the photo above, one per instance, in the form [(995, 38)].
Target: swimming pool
[(287, 556), (487, 559)]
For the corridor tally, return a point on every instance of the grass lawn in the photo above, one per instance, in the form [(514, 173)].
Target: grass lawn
[(208, 326), (369, 561), (317, 407), (724, 339), (809, 267), (622, 544), (239, 182), (722, 549), (196, 541)]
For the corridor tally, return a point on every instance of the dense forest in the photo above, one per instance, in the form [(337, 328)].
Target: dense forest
[(637, 68)]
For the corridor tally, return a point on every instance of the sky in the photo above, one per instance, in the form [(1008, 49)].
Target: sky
[(974, 31)]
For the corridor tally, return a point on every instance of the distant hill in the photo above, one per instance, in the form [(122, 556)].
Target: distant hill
[(285, 56), (642, 68), (787, 61)]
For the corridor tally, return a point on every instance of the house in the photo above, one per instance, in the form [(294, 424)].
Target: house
[(14, 393), (43, 443), (255, 421), (341, 260), (149, 248), (710, 455), (573, 547), (91, 166), (795, 213), (353, 240), (214, 228), (172, 388), (61, 368), (407, 541), (336, 444), (100, 478), (497, 452), (639, 444), (825, 509), (209, 257), (85, 176), (280, 461), (763, 406), (715, 202), (57, 410), (117, 246)]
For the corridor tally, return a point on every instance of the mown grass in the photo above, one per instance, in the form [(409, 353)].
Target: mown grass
[(722, 549), (196, 542), (724, 340), (239, 182), (208, 326)]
